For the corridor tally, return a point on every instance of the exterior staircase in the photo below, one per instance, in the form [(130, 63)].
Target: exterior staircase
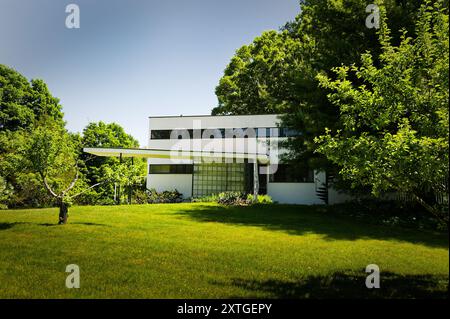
[(322, 188)]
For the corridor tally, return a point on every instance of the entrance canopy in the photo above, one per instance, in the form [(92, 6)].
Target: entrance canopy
[(174, 154)]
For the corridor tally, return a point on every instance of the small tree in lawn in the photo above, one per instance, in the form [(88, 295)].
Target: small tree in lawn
[(50, 152), (395, 125)]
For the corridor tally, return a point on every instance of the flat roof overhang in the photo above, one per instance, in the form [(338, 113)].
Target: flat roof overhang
[(173, 154)]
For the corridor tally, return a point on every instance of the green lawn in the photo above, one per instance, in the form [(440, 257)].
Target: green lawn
[(208, 251)]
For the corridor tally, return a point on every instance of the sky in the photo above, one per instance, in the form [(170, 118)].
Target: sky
[(131, 59)]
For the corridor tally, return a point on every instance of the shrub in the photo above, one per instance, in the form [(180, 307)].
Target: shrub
[(261, 199), (153, 197), (206, 199), (387, 212), (232, 198)]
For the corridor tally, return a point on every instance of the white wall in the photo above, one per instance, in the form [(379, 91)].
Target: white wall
[(227, 121), (168, 182), (293, 193)]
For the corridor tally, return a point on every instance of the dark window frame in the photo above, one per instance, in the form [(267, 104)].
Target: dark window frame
[(173, 169), (287, 174), (269, 132)]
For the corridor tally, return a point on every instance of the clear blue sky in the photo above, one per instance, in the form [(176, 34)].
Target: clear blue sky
[(132, 58)]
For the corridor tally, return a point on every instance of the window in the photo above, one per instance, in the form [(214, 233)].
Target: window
[(170, 169), (290, 174), (160, 134), (246, 132), (214, 178)]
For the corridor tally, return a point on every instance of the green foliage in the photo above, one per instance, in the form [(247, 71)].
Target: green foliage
[(276, 73), (5, 193), (34, 146), (49, 152), (23, 107), (261, 199), (154, 197), (22, 102), (109, 170), (395, 117), (392, 213), (232, 198), (205, 199)]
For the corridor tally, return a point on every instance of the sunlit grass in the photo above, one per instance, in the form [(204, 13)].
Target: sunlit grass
[(207, 251)]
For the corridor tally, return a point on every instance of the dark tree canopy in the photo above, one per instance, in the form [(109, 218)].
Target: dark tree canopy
[(23, 102), (277, 72)]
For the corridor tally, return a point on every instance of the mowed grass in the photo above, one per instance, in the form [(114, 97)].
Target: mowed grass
[(203, 250)]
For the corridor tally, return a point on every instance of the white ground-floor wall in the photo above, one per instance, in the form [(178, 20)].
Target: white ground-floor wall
[(293, 193), (169, 182), (283, 193)]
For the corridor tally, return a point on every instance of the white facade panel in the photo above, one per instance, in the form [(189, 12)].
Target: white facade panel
[(188, 122), (293, 193), (169, 182)]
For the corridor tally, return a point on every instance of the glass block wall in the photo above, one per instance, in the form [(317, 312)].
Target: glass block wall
[(214, 178)]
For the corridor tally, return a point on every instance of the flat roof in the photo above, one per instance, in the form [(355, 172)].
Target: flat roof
[(204, 115)]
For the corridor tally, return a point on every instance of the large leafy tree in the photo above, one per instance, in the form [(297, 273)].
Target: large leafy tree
[(394, 134), (277, 72), (23, 103), (97, 168)]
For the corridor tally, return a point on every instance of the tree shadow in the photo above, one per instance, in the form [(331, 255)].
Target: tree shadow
[(300, 220), (348, 285), (6, 226)]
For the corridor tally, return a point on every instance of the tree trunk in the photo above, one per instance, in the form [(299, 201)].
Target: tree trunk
[(436, 213), (63, 213)]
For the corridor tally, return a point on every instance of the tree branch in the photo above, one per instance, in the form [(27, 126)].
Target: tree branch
[(72, 184), (84, 191), (44, 179)]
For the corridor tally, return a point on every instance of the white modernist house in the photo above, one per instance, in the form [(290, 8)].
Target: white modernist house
[(204, 155)]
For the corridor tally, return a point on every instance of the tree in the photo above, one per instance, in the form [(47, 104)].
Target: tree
[(277, 72), (125, 174), (22, 102), (107, 135), (50, 152), (395, 117), (22, 105)]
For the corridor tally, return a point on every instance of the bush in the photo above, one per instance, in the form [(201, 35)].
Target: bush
[(262, 199), (206, 199), (387, 212), (154, 197), (232, 198)]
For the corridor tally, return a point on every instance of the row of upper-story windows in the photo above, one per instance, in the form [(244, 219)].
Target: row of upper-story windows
[(222, 133)]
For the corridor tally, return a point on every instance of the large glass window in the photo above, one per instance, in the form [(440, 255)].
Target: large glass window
[(170, 169), (214, 178), (290, 174)]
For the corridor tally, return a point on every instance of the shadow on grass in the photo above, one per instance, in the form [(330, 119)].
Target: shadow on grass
[(349, 285), (300, 220), (6, 226)]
